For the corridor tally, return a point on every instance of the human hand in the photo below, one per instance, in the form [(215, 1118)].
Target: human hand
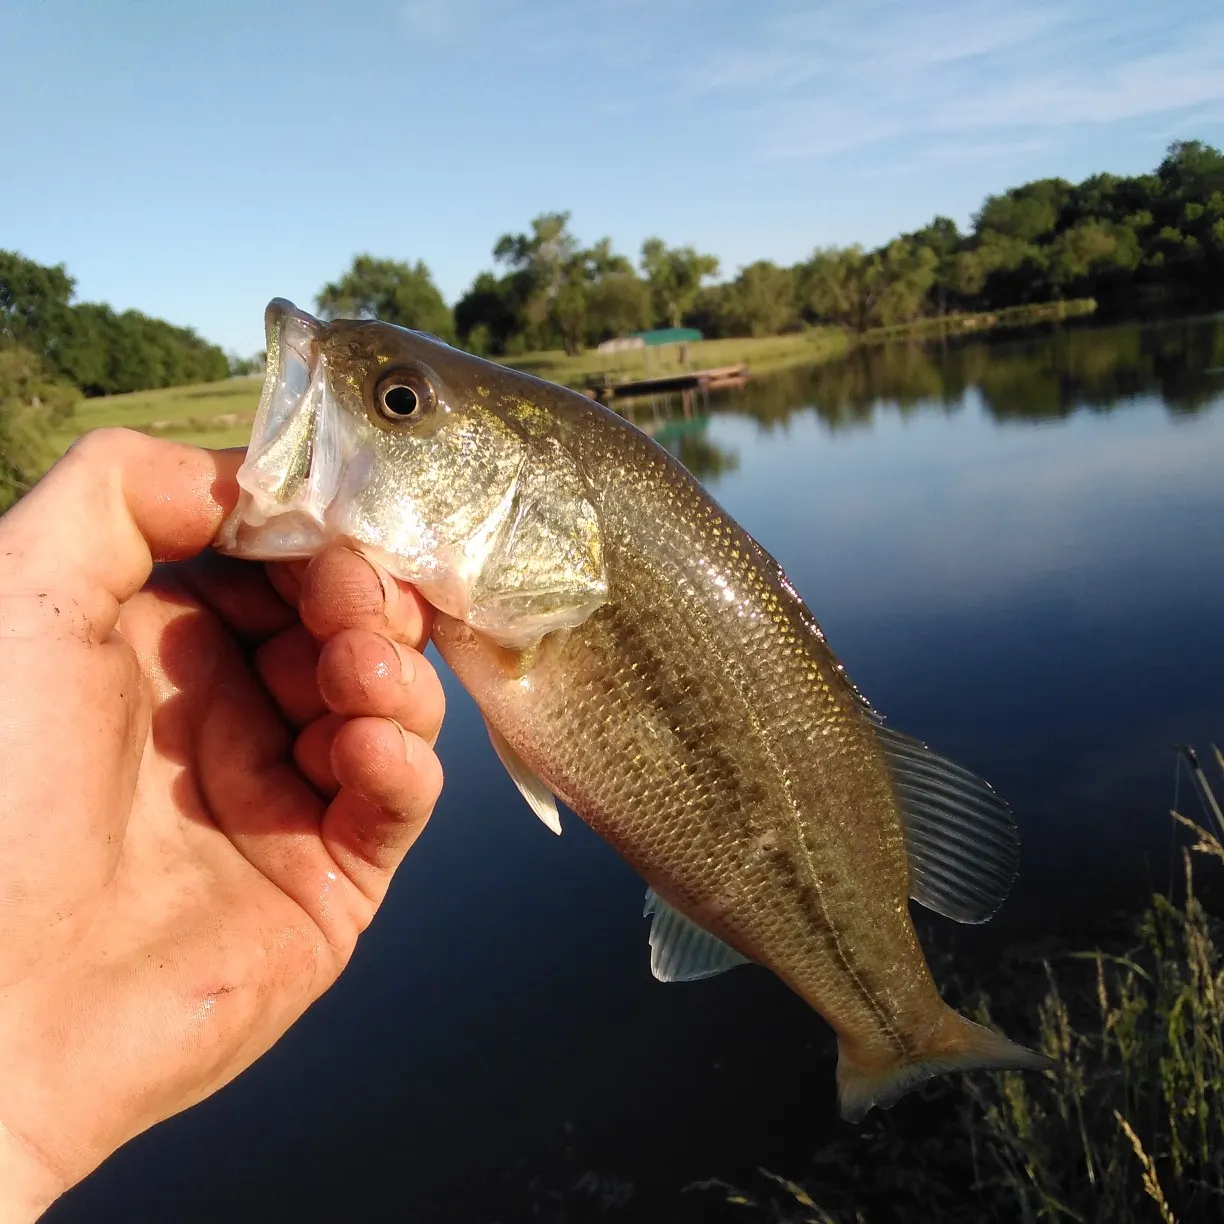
[(202, 802)]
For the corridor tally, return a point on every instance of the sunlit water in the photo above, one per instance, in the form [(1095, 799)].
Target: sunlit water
[(1017, 548)]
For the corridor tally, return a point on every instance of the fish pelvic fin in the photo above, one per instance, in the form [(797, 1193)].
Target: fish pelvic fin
[(865, 1080)]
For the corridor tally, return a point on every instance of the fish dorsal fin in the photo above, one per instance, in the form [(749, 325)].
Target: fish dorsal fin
[(961, 836), (539, 798), (680, 950)]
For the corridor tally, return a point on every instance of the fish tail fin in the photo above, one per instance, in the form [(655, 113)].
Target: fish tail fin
[(956, 1044)]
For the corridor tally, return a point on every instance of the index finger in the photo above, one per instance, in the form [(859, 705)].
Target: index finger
[(116, 502)]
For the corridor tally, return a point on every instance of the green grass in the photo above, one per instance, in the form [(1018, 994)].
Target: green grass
[(984, 320), (220, 414), (206, 414), (768, 353), (1128, 1128), (812, 346)]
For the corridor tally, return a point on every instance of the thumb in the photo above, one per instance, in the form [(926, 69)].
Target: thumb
[(94, 525), (73, 706)]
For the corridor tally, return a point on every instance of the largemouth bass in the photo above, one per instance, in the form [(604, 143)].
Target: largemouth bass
[(638, 655)]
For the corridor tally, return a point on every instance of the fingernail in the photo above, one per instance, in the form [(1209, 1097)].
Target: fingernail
[(406, 662), (389, 590), (385, 585), (404, 737)]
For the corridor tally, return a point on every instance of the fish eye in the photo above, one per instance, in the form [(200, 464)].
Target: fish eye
[(403, 395)]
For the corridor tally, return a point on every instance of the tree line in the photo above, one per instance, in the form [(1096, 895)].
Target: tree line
[(1154, 240), (1133, 243), (53, 350), (97, 349)]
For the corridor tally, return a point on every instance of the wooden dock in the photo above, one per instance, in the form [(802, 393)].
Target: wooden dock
[(603, 389)]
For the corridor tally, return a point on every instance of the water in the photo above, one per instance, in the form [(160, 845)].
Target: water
[(1017, 548)]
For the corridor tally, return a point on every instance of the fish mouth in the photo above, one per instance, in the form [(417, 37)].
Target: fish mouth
[(305, 465), (298, 446)]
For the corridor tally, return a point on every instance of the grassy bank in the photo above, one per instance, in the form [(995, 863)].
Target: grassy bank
[(809, 347), (207, 414), (220, 414), (1129, 1128), (985, 320), (761, 355)]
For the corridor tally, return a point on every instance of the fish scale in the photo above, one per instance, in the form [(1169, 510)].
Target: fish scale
[(637, 654), (733, 695)]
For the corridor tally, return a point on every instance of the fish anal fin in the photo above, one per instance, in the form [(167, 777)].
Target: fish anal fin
[(959, 1045), (960, 835), (539, 798), (680, 950)]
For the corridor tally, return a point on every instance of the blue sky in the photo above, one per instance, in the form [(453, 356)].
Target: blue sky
[(193, 160)]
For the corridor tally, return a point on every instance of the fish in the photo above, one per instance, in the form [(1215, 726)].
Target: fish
[(640, 658)]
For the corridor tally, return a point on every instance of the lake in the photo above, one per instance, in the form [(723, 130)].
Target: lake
[(1016, 546)]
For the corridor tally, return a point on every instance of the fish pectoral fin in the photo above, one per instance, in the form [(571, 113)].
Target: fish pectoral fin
[(680, 950), (539, 798), (961, 836)]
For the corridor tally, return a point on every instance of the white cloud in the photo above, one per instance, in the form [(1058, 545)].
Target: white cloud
[(838, 76)]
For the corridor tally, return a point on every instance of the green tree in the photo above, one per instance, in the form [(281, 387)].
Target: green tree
[(601, 260), (244, 367), (399, 293), (617, 303), (544, 261), (33, 301), (831, 285), (599, 295), (1192, 169), (614, 299), (760, 301), (32, 404), (1025, 213), (488, 314), (675, 276), (554, 290), (943, 238), (101, 351), (568, 308), (899, 277), (1082, 256), (1128, 240), (859, 289), (1001, 270)]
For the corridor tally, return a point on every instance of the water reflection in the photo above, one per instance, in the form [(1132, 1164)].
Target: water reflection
[(1028, 579), (1047, 374), (690, 442)]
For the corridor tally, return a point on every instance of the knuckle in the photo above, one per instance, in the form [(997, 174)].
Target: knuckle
[(104, 445)]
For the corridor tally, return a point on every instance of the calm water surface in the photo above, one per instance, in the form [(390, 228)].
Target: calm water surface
[(1017, 548)]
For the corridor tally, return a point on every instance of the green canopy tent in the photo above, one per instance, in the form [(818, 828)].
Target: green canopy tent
[(658, 337), (668, 335)]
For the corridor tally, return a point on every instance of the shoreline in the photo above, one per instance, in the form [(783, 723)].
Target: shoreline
[(812, 346), (219, 414)]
